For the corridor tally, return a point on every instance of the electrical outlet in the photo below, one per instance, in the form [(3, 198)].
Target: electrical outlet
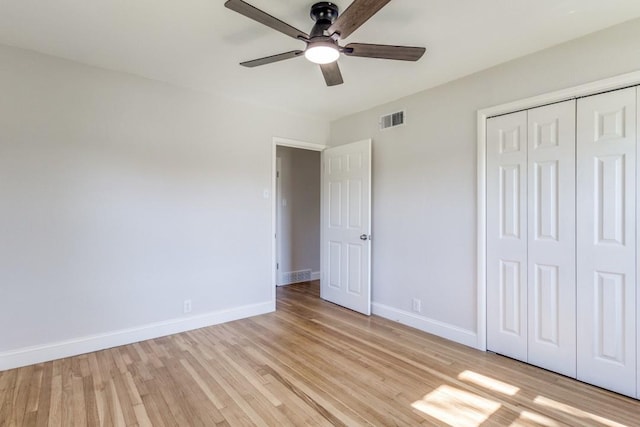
[(416, 305), (187, 306)]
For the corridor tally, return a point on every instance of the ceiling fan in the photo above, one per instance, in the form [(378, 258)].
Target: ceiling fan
[(322, 43)]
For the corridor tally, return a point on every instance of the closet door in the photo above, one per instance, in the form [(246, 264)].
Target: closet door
[(606, 240), (551, 238), (507, 235)]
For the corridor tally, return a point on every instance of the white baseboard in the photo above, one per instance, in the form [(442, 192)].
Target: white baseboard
[(435, 327), (315, 275), (73, 347)]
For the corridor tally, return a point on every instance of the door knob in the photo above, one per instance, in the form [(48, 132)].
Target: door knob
[(363, 237)]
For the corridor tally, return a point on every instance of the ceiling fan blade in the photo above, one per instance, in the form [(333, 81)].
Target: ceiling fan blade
[(256, 14), (355, 15), (272, 58), (332, 74), (383, 51)]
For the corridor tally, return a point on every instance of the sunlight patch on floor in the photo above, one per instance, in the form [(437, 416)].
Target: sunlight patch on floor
[(456, 407), (550, 403), (530, 418), (488, 383)]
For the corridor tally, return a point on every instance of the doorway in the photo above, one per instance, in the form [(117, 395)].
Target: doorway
[(297, 215), (296, 211)]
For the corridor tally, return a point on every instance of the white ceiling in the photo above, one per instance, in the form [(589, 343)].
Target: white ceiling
[(199, 43)]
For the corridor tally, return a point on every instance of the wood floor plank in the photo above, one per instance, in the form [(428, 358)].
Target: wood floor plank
[(91, 407), (44, 397), (157, 407), (20, 395), (309, 363), (7, 385), (34, 389), (125, 403), (55, 413), (79, 407)]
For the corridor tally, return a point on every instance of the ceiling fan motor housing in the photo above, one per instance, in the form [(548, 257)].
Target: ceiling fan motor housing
[(324, 14), (324, 10)]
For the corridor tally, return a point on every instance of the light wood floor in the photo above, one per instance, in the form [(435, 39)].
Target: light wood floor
[(310, 363)]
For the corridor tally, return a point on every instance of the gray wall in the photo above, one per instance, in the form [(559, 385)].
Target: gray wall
[(122, 197), (424, 173), (300, 218)]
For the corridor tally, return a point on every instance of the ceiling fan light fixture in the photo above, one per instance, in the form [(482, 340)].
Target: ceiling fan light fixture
[(322, 53), (322, 42)]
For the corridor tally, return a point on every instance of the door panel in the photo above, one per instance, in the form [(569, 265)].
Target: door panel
[(335, 204), (355, 282), (608, 318), (510, 203), (334, 273), (551, 238), (546, 312), (507, 235), (346, 216), (606, 240), (510, 297)]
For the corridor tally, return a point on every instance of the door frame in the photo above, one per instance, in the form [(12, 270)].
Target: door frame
[(283, 142), (580, 91), (277, 195)]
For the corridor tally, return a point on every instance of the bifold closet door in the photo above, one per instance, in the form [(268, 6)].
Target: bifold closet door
[(551, 247), (531, 307), (507, 235), (606, 240)]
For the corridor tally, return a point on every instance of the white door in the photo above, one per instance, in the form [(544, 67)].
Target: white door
[(507, 235), (606, 240), (346, 226), (551, 280)]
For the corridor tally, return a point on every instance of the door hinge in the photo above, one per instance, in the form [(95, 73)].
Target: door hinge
[(277, 266)]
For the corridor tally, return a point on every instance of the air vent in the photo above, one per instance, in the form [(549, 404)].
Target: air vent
[(392, 120), (295, 277)]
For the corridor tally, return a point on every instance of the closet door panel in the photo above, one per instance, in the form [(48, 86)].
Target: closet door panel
[(637, 242), (507, 235), (551, 238), (606, 240)]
